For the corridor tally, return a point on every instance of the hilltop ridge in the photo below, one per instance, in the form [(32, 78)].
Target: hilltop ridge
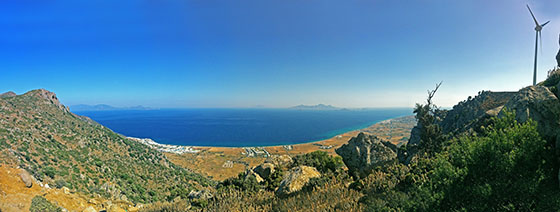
[(61, 149)]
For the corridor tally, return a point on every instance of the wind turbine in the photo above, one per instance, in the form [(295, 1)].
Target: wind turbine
[(538, 29)]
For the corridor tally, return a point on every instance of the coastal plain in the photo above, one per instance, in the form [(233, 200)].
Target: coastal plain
[(220, 163)]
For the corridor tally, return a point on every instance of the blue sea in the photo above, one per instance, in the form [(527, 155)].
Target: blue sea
[(239, 127)]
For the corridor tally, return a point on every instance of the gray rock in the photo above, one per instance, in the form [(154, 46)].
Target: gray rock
[(296, 178), (365, 152), (558, 89), (541, 105), (26, 178), (250, 172), (202, 194), (472, 113), (265, 170)]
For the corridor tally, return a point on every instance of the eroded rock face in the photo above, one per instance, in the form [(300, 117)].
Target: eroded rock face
[(473, 112), (265, 170), (365, 152), (541, 105), (296, 178), (250, 172), (49, 96), (26, 178)]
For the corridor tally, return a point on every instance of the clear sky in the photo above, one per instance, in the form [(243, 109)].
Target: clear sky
[(271, 53)]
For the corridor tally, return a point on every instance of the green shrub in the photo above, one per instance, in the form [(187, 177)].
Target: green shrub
[(40, 204), (508, 167), (49, 171), (60, 183), (320, 160)]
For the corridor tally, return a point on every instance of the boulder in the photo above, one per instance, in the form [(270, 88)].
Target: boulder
[(65, 190), (26, 178), (541, 105), (202, 194), (89, 209), (250, 172), (365, 152), (265, 170), (296, 178)]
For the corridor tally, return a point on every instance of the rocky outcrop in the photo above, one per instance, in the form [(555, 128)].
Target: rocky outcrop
[(50, 97), (541, 105), (296, 178), (202, 194), (473, 112), (280, 160), (365, 152), (468, 115), (26, 178), (265, 170), (8, 94), (250, 173)]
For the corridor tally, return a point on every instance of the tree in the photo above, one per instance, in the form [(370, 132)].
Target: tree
[(431, 136)]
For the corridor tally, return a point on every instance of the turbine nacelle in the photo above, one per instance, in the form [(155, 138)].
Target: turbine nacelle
[(539, 27)]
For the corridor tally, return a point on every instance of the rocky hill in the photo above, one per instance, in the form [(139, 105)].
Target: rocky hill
[(63, 150), (539, 103)]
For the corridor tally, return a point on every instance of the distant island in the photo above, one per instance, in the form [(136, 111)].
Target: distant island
[(316, 107), (102, 107)]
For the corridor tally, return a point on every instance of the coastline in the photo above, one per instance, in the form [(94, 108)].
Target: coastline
[(220, 163), (181, 149)]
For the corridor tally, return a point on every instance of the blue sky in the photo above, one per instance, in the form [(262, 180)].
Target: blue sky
[(209, 53)]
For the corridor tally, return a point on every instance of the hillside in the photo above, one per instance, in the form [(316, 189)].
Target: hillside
[(494, 152), (497, 151), (63, 150)]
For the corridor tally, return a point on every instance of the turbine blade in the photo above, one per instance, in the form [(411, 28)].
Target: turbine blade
[(545, 24), (532, 15)]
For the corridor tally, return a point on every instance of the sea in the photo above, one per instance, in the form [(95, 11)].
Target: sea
[(239, 127)]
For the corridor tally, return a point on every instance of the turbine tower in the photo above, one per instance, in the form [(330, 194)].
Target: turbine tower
[(538, 37)]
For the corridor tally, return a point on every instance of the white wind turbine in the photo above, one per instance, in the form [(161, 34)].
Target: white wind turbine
[(538, 29)]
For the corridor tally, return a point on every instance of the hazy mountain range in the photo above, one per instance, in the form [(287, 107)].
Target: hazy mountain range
[(101, 107)]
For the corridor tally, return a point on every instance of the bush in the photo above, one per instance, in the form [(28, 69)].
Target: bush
[(60, 183), (40, 204), (320, 160), (49, 171), (509, 167), (242, 182)]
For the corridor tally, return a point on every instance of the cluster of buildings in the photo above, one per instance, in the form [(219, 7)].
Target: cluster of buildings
[(165, 147), (255, 152)]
